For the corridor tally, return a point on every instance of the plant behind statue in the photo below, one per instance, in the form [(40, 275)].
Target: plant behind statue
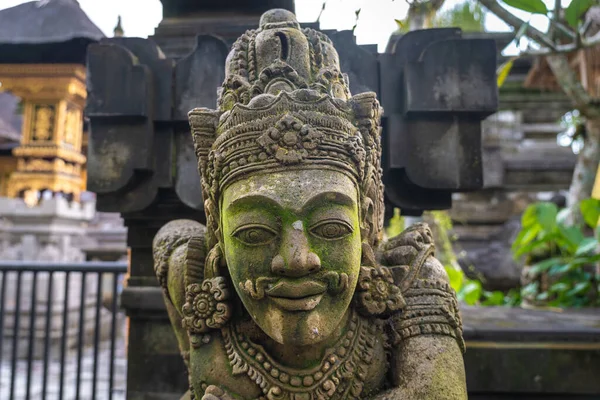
[(559, 259)]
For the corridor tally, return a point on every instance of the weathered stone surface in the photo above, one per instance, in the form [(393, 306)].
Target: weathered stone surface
[(432, 105), (531, 354), (289, 272), (201, 69), (106, 238), (183, 20), (485, 225), (53, 231), (115, 157), (484, 254)]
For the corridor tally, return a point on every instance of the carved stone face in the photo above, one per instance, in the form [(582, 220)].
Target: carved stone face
[(293, 249)]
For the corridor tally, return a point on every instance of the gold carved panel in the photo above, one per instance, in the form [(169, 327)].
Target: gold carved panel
[(42, 128), (73, 128), (57, 166)]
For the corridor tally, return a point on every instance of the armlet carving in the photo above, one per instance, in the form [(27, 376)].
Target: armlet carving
[(431, 306)]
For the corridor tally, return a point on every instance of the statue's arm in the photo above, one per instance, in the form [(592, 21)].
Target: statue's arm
[(427, 344), (174, 296), (179, 256), (171, 252)]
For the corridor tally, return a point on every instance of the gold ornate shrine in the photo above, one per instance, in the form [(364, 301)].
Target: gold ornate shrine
[(49, 157)]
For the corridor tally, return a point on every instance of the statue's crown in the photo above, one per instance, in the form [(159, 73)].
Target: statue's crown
[(281, 57), (285, 104)]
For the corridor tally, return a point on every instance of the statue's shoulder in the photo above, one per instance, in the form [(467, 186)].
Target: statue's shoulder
[(410, 256), (430, 305), (406, 260), (179, 252)]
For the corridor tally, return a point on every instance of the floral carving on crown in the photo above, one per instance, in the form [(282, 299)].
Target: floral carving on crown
[(290, 140)]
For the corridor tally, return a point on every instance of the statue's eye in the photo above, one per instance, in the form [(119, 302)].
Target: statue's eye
[(255, 235), (332, 230)]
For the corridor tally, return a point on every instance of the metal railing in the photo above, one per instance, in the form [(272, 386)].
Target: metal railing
[(48, 339)]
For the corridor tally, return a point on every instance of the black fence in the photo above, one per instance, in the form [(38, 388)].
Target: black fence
[(59, 328)]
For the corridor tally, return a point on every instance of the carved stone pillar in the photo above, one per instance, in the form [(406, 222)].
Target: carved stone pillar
[(50, 156)]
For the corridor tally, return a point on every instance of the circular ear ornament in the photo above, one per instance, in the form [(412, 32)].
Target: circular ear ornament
[(376, 294), (207, 303)]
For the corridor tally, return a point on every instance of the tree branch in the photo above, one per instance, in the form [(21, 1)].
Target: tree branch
[(563, 29), (567, 48), (557, 60), (555, 18), (517, 22), (570, 84)]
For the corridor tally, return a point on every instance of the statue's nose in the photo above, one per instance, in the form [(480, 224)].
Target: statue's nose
[(295, 258)]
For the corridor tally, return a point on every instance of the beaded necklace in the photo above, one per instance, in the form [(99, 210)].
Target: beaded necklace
[(340, 375)]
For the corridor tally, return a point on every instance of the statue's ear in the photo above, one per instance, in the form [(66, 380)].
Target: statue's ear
[(367, 223), (195, 257), (367, 258), (203, 124)]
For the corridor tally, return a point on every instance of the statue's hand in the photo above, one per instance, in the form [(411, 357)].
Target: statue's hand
[(402, 249), (216, 393)]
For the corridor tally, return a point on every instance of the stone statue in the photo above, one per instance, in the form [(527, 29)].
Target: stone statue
[(288, 293)]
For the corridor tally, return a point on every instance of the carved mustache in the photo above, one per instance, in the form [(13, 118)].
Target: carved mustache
[(334, 283)]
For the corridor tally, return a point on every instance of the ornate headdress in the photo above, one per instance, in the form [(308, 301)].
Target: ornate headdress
[(286, 105)]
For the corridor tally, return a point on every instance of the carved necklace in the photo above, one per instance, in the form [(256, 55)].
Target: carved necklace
[(340, 375)]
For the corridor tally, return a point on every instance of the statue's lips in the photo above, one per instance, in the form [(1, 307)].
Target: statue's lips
[(303, 296)]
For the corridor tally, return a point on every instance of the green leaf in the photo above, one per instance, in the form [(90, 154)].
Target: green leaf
[(503, 71), (537, 245), (529, 217), (562, 216), (532, 6), (495, 298), (530, 234), (518, 242), (546, 213), (559, 269), (513, 297), (399, 24), (545, 265), (572, 234), (590, 209), (576, 9), (560, 287), (456, 277), (470, 292), (586, 260), (587, 246), (542, 296), (580, 288), (530, 289), (525, 236)]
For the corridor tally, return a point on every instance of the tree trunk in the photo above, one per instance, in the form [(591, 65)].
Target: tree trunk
[(416, 18), (587, 161), (585, 170), (421, 13)]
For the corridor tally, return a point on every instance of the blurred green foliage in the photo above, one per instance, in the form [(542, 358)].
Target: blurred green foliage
[(560, 259)]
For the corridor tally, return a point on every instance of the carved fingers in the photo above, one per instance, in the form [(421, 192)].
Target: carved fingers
[(216, 393), (401, 255), (402, 249)]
